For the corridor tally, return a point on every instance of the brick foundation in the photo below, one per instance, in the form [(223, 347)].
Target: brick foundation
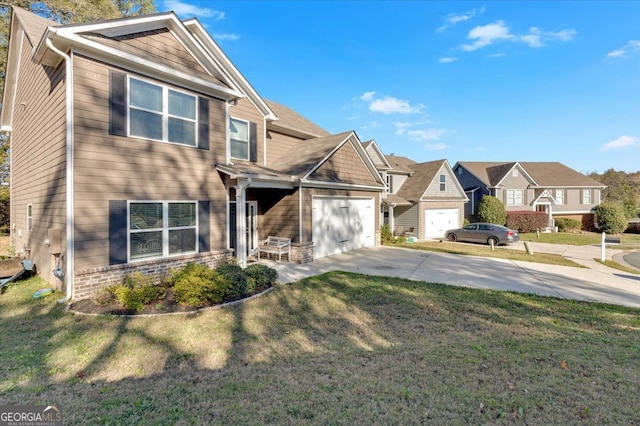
[(89, 281), (302, 252)]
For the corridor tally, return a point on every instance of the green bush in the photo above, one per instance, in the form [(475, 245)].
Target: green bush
[(4, 208), (262, 275), (491, 210), (198, 285), (135, 291), (466, 222), (241, 284), (610, 218), (566, 224), (527, 221), (386, 236)]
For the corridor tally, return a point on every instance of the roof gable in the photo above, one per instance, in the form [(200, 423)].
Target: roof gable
[(425, 177), (344, 166), (376, 155)]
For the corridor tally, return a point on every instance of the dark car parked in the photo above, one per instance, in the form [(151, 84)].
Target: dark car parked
[(483, 233)]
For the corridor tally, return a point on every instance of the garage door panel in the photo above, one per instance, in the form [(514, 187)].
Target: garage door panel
[(438, 221)]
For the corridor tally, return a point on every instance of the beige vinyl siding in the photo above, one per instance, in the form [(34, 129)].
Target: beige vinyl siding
[(307, 206), (375, 157), (119, 168), (345, 165), (278, 211), (397, 180), (245, 110), (573, 201), (407, 217), (38, 175), (280, 145), (451, 186)]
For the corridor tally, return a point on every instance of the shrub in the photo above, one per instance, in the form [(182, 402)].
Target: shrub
[(135, 291), (104, 297), (491, 210), (198, 285), (527, 221), (262, 274), (4, 208), (566, 224), (386, 236), (466, 222), (240, 283), (610, 218)]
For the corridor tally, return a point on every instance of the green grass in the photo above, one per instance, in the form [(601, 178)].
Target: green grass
[(334, 349), (485, 251), (619, 266), (577, 239)]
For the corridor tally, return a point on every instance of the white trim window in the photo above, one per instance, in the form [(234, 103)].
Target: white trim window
[(29, 217), (515, 173), (443, 183), (515, 197), (586, 196), (163, 114), (239, 138), (559, 196), (162, 228)]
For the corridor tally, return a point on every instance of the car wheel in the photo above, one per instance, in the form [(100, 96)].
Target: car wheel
[(493, 240), (452, 238)]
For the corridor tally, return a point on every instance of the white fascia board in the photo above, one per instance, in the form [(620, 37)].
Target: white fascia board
[(122, 26), (444, 165), (148, 68), (14, 56), (380, 153), (338, 185), (212, 48)]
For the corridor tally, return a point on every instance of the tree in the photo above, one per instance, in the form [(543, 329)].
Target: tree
[(610, 218), (620, 190), (491, 210)]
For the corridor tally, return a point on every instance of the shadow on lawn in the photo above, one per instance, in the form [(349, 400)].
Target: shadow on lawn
[(297, 353)]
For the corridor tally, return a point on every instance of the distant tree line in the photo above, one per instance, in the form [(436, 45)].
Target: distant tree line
[(622, 188)]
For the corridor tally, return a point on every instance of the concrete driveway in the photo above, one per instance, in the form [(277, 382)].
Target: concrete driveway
[(597, 283)]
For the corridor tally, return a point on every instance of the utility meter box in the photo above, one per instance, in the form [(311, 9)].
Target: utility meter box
[(55, 240)]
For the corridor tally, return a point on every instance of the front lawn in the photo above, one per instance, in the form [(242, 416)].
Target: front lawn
[(577, 239), (334, 349)]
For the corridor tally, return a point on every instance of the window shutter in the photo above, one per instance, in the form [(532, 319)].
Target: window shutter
[(203, 226), (117, 232), (117, 104), (253, 142), (203, 123)]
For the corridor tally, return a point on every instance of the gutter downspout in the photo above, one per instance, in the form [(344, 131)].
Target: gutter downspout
[(70, 203)]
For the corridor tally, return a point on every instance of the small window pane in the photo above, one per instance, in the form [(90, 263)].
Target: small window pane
[(182, 105), (182, 214), (145, 124), (443, 178), (182, 240), (239, 149), (239, 130), (146, 244), (145, 216), (146, 95), (182, 131)]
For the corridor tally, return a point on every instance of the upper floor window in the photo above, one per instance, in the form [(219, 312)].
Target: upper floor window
[(160, 229), (239, 138), (560, 196), (586, 196), (157, 112), (515, 197), (390, 183), (443, 182)]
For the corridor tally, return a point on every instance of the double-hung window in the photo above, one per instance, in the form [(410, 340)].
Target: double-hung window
[(560, 196), (157, 112), (586, 196), (443, 182), (515, 197), (239, 138), (162, 228)]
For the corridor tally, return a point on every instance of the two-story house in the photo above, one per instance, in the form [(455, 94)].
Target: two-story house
[(549, 187), (137, 145)]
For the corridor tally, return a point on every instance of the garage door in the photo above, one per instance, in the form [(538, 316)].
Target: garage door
[(342, 224), (436, 222)]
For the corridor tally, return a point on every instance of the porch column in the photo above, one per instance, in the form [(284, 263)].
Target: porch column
[(550, 213), (392, 222), (241, 223)]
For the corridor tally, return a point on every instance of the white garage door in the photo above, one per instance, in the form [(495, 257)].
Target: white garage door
[(342, 224), (436, 222)]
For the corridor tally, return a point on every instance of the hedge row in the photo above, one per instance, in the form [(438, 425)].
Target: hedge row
[(527, 221)]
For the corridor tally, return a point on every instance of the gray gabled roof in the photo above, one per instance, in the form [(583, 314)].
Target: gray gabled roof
[(399, 163), (288, 119), (309, 153)]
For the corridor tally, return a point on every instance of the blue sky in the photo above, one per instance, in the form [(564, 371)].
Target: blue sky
[(465, 81)]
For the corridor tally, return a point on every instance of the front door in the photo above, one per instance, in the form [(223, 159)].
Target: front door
[(251, 226)]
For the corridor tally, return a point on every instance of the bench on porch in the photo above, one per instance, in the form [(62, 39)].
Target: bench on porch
[(276, 245)]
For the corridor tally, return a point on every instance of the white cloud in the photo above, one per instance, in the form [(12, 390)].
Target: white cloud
[(631, 46), (447, 60), (371, 125), (225, 36), (452, 18), (185, 9), (367, 96), (436, 146), (621, 142), (402, 126), (538, 38), (497, 55), (485, 35), (425, 135), (391, 105)]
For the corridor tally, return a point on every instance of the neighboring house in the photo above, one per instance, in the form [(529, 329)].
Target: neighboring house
[(549, 187), (138, 146), (424, 199)]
